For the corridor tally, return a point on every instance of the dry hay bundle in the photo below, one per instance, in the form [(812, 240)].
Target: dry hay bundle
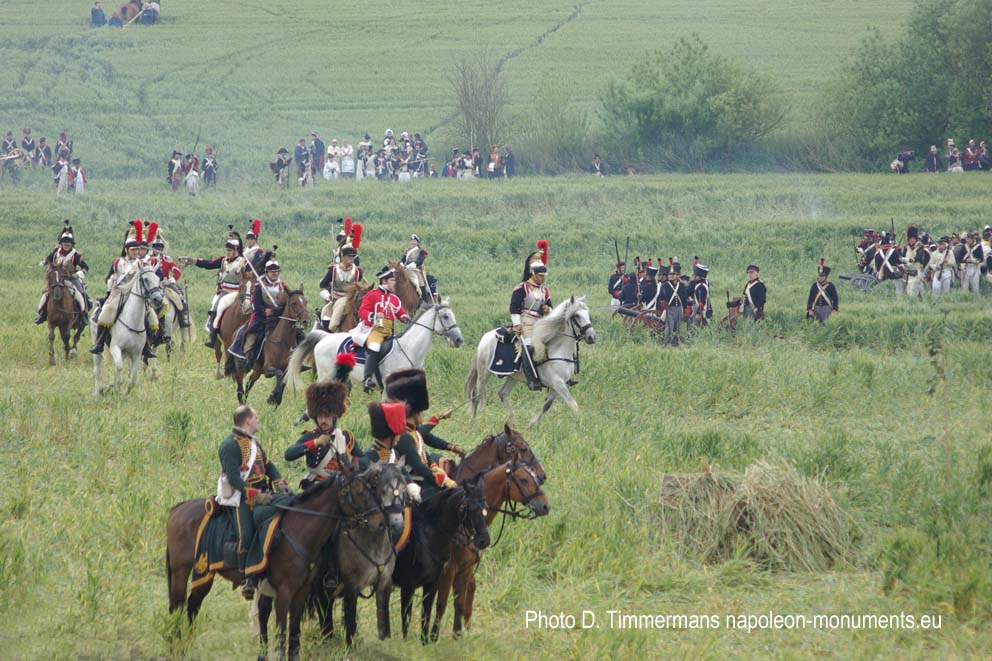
[(778, 518)]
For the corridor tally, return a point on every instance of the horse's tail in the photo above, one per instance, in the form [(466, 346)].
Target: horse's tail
[(229, 365), (475, 384), (302, 351)]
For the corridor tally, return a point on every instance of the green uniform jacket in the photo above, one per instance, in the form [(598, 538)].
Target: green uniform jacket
[(406, 446), (263, 473)]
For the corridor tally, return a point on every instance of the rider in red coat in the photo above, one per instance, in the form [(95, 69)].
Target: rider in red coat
[(380, 308)]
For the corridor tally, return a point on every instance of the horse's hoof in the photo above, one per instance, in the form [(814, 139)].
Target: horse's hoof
[(51, 361), (73, 354)]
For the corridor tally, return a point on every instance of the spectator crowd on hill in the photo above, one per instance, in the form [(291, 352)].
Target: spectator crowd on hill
[(146, 13), (974, 157), (397, 159)]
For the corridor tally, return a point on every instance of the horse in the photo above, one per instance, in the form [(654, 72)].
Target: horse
[(308, 524), (365, 558), (129, 10), (409, 347), (508, 445), (556, 344), (408, 294), (169, 325), (63, 313), (514, 482), (435, 524), (127, 335), (407, 291), (235, 316), (277, 345)]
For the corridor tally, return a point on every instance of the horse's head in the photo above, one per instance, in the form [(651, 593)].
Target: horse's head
[(519, 450), (579, 318), (390, 490), (56, 282), (296, 308), (445, 323), (358, 502), (524, 488), (151, 289), (473, 511)]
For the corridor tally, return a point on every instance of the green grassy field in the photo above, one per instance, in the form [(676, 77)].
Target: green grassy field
[(85, 485), (252, 76)]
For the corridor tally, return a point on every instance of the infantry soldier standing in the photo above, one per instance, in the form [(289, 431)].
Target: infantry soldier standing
[(648, 289), (942, 267), (530, 301), (380, 309), (968, 256), (28, 145), (280, 167), (247, 479), (125, 267), (209, 166), (229, 268), (885, 261), (754, 295), (823, 297), (700, 291), (914, 258), (339, 286), (615, 285), (316, 154), (67, 259), (673, 296), (175, 168)]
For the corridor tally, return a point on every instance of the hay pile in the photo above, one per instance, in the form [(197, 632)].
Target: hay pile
[(771, 515)]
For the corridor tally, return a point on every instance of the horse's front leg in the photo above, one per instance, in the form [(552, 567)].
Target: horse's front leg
[(276, 397), (552, 394), (264, 611), (118, 359), (218, 355), (443, 591), (96, 374), (504, 396), (295, 618), (75, 341), (51, 346), (66, 333), (429, 591), (382, 595)]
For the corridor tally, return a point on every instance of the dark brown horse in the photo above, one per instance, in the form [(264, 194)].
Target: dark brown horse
[(63, 313), (364, 558), (310, 524), (282, 330), (506, 446), (234, 317), (436, 521), (129, 10), (513, 482), (408, 292)]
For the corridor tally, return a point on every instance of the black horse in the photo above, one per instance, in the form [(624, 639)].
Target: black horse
[(363, 557), (436, 522)]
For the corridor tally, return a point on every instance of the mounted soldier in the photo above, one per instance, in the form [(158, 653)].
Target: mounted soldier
[(387, 422), (122, 271), (248, 478), (413, 261), (410, 387), (326, 445), (338, 288), (530, 301), (254, 252), (349, 235), (702, 309), (673, 297), (64, 257), (229, 268), (267, 300), (169, 273), (823, 298), (380, 310)]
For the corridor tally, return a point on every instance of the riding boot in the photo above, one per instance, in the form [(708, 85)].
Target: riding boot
[(530, 370), (247, 582), (212, 340), (184, 318), (249, 348), (371, 370), (102, 335), (146, 351), (42, 315), (425, 294)]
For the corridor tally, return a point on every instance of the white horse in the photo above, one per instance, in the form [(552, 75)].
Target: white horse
[(556, 339), (171, 328), (127, 335), (409, 347)]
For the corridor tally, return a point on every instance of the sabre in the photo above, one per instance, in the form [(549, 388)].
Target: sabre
[(258, 279)]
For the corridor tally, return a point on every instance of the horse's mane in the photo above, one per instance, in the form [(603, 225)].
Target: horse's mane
[(546, 327), (312, 490)]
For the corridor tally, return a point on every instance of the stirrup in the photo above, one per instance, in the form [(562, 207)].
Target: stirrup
[(211, 341)]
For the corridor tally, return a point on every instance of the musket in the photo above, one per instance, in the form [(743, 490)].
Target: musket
[(626, 251), (197, 141), (616, 247)]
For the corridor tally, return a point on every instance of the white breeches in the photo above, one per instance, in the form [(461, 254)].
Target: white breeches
[(221, 302)]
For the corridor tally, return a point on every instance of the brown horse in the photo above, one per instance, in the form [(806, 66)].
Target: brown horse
[(408, 292), (310, 524), (506, 446), (129, 10), (63, 313), (234, 317), (280, 340), (513, 482)]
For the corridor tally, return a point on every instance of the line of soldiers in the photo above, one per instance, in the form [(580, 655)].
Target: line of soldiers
[(66, 170), (249, 478), (923, 263), (190, 169)]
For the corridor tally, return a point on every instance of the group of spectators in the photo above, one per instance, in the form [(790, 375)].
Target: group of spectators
[(146, 13), (974, 157), (397, 159)]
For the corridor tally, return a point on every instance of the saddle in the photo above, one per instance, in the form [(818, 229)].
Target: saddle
[(506, 354), (237, 348), (349, 346)]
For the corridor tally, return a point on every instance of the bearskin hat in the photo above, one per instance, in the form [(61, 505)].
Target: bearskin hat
[(387, 419), (327, 397), (912, 232), (410, 387)]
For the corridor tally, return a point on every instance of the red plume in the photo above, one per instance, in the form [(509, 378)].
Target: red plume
[(356, 237), (138, 229), (256, 227), (347, 225), (152, 231), (542, 245), (346, 359)]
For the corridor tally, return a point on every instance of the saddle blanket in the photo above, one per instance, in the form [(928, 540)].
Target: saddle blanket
[(219, 528), (237, 348), (348, 345), (506, 354)]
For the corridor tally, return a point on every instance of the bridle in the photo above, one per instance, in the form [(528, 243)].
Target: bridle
[(299, 323), (509, 451), (143, 293), (513, 509), (445, 329)]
